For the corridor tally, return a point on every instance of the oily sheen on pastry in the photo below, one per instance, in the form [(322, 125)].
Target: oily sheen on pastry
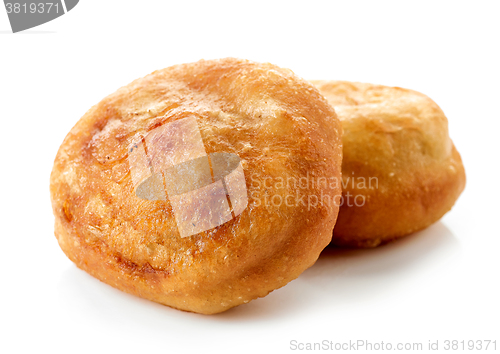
[(401, 171), (172, 188)]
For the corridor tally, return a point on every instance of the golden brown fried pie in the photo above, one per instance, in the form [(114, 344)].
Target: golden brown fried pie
[(171, 187), (401, 171)]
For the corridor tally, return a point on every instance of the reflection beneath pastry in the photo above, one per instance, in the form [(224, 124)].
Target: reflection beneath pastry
[(341, 280), (345, 278), (205, 190)]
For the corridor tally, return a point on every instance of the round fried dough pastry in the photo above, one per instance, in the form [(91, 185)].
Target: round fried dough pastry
[(168, 188), (400, 169)]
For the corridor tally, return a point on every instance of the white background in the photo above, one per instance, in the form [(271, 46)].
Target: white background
[(439, 284)]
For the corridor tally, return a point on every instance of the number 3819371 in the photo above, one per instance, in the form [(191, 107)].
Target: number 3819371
[(34, 7)]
